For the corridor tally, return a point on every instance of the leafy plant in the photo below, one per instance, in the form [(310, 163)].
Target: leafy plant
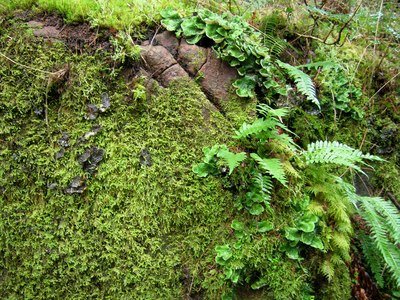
[(272, 168), (250, 51)]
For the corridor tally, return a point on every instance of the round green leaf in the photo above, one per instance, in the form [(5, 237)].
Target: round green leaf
[(237, 225), (256, 209), (265, 226)]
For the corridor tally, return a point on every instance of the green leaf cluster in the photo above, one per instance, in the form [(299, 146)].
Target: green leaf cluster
[(253, 53)]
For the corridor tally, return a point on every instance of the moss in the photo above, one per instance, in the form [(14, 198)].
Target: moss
[(137, 231)]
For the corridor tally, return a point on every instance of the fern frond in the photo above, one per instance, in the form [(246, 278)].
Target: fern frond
[(337, 260), (316, 208), (267, 111), (319, 64), (325, 152), (374, 260), (327, 269), (341, 241), (258, 126), (263, 183), (303, 82), (289, 169), (381, 235), (391, 215), (272, 166), (231, 159)]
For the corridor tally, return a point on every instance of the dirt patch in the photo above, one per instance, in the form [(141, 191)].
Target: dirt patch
[(79, 38)]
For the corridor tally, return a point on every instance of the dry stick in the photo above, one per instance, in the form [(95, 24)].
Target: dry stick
[(25, 66), (41, 71), (384, 86)]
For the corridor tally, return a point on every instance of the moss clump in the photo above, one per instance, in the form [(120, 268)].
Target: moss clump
[(144, 227)]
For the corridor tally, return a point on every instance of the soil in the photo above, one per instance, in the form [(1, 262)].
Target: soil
[(79, 38)]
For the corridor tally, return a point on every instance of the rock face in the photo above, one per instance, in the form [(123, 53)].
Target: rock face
[(217, 77), (191, 57), (172, 59), (168, 41), (157, 59), (161, 64)]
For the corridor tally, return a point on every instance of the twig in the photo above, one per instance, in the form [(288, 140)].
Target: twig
[(25, 66), (363, 140), (393, 199), (391, 79)]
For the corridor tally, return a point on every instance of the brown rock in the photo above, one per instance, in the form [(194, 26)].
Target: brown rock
[(172, 73), (47, 32), (35, 24), (168, 41), (217, 77), (157, 59), (191, 57)]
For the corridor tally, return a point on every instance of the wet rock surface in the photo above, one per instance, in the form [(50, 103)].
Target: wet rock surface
[(191, 57), (172, 73), (157, 59), (217, 77), (172, 59), (168, 41)]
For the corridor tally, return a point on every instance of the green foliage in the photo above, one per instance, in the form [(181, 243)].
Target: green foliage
[(272, 166), (335, 153), (250, 51), (316, 200), (124, 48), (384, 220), (118, 14), (303, 82)]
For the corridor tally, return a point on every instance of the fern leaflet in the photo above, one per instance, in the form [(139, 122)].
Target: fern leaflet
[(381, 233), (335, 153), (303, 82), (273, 166), (231, 159)]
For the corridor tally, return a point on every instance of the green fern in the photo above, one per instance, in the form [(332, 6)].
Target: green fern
[(327, 269), (258, 126), (231, 159), (303, 82), (272, 166), (376, 212), (374, 260), (324, 152), (263, 183)]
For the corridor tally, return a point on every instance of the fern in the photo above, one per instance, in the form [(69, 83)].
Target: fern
[(376, 213), (319, 64), (374, 260), (303, 82), (335, 153), (263, 183), (231, 159), (258, 126), (273, 166), (327, 269)]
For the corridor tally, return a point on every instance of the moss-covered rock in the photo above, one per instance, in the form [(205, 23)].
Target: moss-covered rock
[(144, 226)]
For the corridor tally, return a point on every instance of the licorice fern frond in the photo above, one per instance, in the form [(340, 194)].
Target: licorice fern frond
[(272, 166), (371, 211), (374, 260), (327, 269), (303, 82), (324, 152), (231, 159), (257, 127)]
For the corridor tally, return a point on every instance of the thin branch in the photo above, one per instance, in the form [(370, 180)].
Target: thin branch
[(390, 80), (27, 67)]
